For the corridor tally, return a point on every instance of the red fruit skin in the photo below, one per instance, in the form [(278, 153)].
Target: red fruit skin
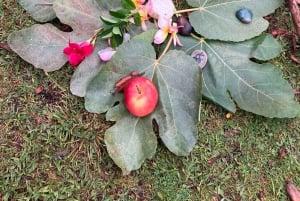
[(140, 96)]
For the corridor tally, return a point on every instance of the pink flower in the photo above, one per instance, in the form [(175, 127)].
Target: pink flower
[(166, 27), (106, 54), (77, 52), (160, 8)]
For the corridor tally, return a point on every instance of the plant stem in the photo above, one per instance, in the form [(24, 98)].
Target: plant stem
[(201, 39), (189, 10), (165, 50), (54, 81)]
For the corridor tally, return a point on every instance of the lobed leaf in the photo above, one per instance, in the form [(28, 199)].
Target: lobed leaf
[(133, 144), (215, 19), (177, 78), (230, 78)]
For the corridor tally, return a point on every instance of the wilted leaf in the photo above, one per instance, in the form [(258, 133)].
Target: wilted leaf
[(217, 20), (177, 78), (42, 45), (130, 141), (230, 78), (40, 10)]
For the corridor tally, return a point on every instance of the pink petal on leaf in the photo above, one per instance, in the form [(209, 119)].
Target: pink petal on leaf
[(106, 54)]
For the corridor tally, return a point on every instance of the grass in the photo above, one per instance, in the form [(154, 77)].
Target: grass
[(51, 148)]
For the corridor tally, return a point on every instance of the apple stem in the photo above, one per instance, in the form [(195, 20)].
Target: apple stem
[(138, 89)]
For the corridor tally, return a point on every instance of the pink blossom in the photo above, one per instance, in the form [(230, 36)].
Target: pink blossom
[(78, 51), (166, 27), (160, 9), (106, 54)]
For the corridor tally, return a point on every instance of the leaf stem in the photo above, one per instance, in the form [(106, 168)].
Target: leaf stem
[(201, 39), (165, 50), (189, 10), (54, 81)]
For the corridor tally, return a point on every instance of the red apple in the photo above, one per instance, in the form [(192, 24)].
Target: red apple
[(140, 96)]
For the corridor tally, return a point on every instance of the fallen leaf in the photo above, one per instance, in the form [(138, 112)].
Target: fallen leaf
[(214, 159), (39, 90)]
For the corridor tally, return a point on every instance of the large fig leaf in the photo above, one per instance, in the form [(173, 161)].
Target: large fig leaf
[(215, 19), (231, 78), (40, 10), (42, 45), (177, 77), (130, 141)]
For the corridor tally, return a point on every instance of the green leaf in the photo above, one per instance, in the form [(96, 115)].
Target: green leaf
[(106, 33), (230, 78), (116, 40), (42, 45), (117, 31), (137, 19), (216, 19), (130, 147), (40, 10), (121, 14), (128, 4), (109, 21), (267, 48), (177, 77)]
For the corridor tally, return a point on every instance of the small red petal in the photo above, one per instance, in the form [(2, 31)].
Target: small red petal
[(74, 45), (75, 59), (68, 50), (87, 50)]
